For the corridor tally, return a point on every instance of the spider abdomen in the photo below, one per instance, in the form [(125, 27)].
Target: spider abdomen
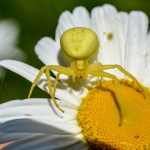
[(79, 44)]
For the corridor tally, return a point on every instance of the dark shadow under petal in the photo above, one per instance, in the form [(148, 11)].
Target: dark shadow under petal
[(43, 142), (21, 128)]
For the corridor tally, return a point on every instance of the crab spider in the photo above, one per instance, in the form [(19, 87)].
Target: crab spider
[(78, 46)]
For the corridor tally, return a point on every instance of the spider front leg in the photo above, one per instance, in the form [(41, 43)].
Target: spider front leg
[(130, 76), (50, 87), (46, 69), (100, 67), (120, 102), (55, 84)]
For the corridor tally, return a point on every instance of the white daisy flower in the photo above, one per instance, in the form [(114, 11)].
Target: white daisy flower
[(8, 40), (38, 124)]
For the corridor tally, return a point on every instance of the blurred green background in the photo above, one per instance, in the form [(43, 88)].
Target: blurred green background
[(39, 18)]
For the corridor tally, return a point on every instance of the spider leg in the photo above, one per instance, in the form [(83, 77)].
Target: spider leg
[(60, 70), (130, 76), (50, 87), (105, 74), (56, 81), (105, 67), (94, 65), (55, 84), (36, 80)]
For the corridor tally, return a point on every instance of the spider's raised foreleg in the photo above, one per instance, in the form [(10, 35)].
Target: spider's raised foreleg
[(105, 74), (130, 76), (99, 67)]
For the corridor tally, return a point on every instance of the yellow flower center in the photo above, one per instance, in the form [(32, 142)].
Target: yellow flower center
[(99, 117)]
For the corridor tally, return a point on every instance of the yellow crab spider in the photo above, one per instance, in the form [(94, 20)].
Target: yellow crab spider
[(78, 46)]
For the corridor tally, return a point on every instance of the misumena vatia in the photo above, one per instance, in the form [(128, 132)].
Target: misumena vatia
[(78, 46)]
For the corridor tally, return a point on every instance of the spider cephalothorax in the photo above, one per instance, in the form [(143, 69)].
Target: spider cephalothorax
[(78, 46)]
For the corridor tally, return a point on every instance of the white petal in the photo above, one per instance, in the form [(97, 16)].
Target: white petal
[(66, 18), (145, 61), (49, 52), (66, 21), (34, 126), (37, 109), (82, 17), (146, 77), (106, 21), (147, 50), (137, 34), (44, 142), (122, 30), (30, 74)]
